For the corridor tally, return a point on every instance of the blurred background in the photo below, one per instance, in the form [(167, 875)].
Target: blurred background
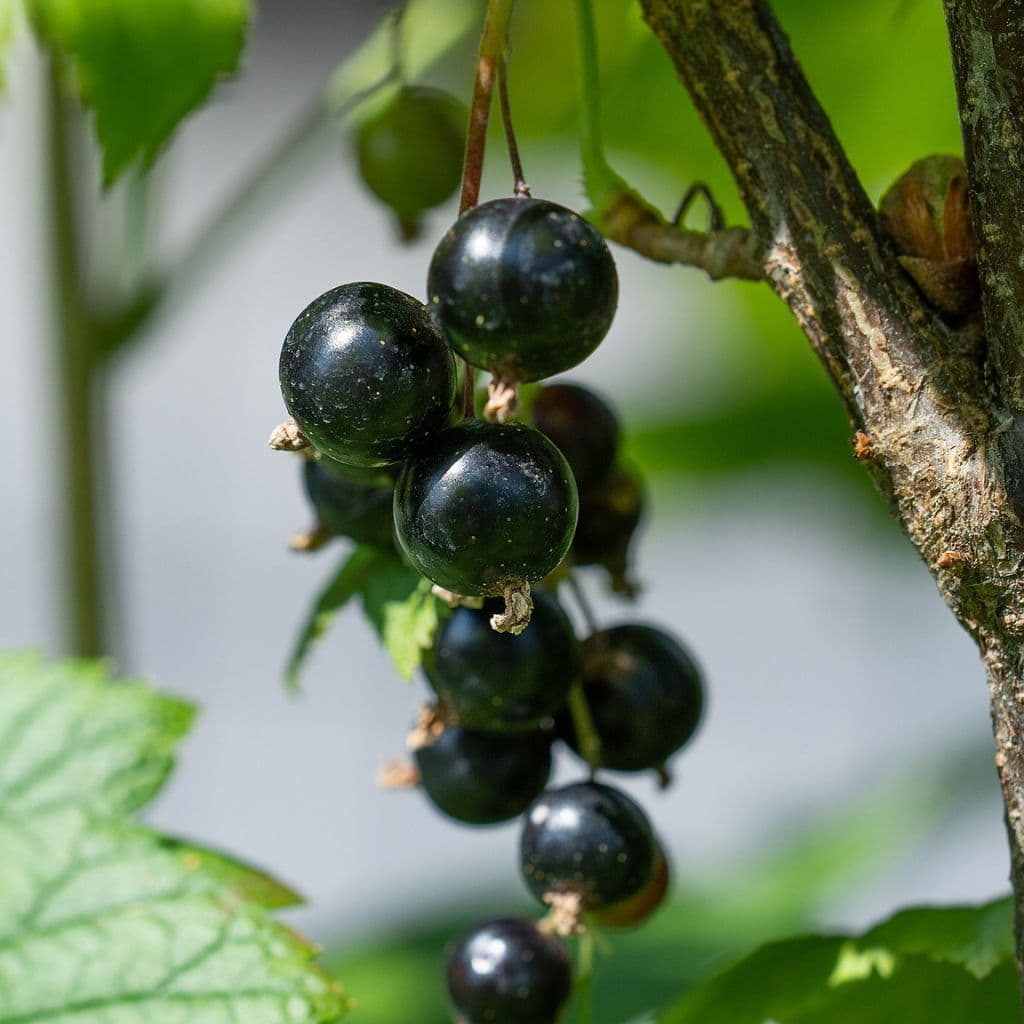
[(844, 767)]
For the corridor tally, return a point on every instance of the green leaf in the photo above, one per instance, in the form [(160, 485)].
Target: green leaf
[(399, 603), (944, 965), (69, 738), (101, 918), (977, 938), (142, 67), (347, 581), (7, 12)]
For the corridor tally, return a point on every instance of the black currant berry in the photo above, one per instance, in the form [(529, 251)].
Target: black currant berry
[(640, 907), (583, 428), (523, 287), (506, 971), (410, 151), (610, 514), (645, 695), (497, 682), (366, 374), (588, 839), (347, 507), (481, 506), (484, 778)]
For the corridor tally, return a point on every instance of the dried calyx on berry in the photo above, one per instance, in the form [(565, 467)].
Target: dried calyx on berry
[(927, 214)]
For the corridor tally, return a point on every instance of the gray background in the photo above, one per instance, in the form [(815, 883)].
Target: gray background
[(831, 661)]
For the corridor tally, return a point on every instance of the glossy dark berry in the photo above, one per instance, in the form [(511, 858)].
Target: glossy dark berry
[(589, 839), (645, 693), (523, 287), (483, 778), (609, 516), (583, 428), (366, 374), (481, 505), (499, 682), (348, 508), (506, 971), (643, 905), (410, 151)]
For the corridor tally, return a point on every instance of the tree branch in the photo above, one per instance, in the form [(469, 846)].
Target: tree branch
[(936, 442), (729, 252), (987, 40)]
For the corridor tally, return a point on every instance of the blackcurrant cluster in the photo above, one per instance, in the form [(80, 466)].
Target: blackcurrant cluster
[(496, 514)]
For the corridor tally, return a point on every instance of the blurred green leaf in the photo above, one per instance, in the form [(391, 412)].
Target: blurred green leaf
[(944, 965), (430, 29), (977, 938), (399, 603), (347, 581), (8, 9), (142, 67), (100, 917)]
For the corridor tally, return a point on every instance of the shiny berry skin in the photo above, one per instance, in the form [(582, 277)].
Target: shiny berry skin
[(523, 287), (482, 505), (583, 428), (366, 375), (645, 693), (484, 778), (348, 508), (497, 682), (410, 151), (589, 839), (506, 971), (608, 519), (645, 903)]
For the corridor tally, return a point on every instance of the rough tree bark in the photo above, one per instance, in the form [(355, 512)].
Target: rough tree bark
[(930, 401)]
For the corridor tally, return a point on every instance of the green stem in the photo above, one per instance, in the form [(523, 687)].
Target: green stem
[(80, 395), (583, 723), (585, 977), (492, 45), (600, 181)]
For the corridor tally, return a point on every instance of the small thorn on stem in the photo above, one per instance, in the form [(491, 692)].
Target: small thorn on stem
[(397, 773), (518, 609), (310, 540), (565, 918), (502, 400), (287, 437), (454, 600)]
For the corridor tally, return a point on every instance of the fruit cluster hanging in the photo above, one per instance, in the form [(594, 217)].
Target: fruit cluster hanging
[(498, 513)]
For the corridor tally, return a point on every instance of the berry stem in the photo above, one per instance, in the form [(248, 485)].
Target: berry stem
[(585, 977), (586, 732), (492, 45), (395, 40), (468, 390), (520, 188)]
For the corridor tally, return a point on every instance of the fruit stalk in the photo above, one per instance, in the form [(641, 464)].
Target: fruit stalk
[(492, 45), (583, 723), (520, 187), (585, 977)]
